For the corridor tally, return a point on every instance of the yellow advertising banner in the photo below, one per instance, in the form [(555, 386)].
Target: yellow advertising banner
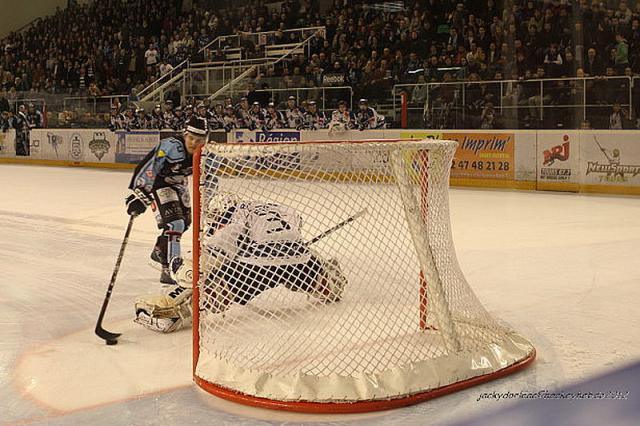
[(479, 155), (483, 155)]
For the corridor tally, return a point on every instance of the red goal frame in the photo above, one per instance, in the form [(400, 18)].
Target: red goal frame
[(320, 407)]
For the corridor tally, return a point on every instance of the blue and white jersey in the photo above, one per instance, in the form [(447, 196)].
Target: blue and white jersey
[(168, 164), (314, 120), (366, 118)]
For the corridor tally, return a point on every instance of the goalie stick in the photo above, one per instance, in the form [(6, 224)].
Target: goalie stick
[(338, 226), (112, 338)]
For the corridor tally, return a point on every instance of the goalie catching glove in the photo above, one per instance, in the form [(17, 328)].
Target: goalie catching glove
[(170, 310)]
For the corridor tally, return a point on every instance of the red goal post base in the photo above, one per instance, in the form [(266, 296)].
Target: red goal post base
[(360, 406)]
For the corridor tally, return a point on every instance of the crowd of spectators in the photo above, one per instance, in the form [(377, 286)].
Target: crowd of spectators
[(244, 114), (112, 46)]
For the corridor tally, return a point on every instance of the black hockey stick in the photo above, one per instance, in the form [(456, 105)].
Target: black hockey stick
[(338, 226), (112, 338)]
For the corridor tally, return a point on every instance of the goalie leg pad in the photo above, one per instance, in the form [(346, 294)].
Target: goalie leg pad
[(166, 312), (160, 325), (246, 281), (232, 282), (301, 277), (322, 279)]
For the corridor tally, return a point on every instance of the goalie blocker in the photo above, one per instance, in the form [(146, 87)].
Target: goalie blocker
[(251, 247)]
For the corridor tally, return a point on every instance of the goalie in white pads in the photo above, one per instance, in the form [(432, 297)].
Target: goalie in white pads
[(250, 247)]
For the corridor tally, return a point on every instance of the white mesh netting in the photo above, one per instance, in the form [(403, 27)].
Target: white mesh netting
[(376, 309)]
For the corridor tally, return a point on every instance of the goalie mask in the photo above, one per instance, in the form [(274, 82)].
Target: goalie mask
[(221, 208)]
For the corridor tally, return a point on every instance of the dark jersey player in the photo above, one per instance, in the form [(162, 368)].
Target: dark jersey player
[(160, 181)]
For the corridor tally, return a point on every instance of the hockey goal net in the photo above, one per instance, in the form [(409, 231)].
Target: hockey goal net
[(383, 318)]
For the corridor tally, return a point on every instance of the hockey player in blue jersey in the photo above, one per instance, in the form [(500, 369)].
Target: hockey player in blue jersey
[(160, 181)]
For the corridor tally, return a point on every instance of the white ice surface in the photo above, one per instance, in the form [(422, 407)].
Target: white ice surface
[(562, 269)]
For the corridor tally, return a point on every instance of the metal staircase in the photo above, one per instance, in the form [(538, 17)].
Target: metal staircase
[(201, 80)]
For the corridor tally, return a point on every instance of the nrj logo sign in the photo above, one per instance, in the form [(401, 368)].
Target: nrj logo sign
[(557, 153), (550, 171)]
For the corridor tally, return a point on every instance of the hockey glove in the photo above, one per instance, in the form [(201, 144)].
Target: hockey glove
[(137, 203)]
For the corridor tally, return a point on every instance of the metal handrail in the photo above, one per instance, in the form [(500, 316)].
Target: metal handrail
[(222, 38), (284, 45), (22, 101), (239, 64), (302, 43), (229, 73), (95, 99), (230, 84), (289, 46), (227, 86), (149, 91), (232, 62), (309, 89), (291, 30), (152, 86), (205, 67), (257, 35), (160, 89), (541, 82), (178, 67)]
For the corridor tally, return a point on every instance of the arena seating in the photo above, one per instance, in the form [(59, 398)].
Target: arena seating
[(371, 49)]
